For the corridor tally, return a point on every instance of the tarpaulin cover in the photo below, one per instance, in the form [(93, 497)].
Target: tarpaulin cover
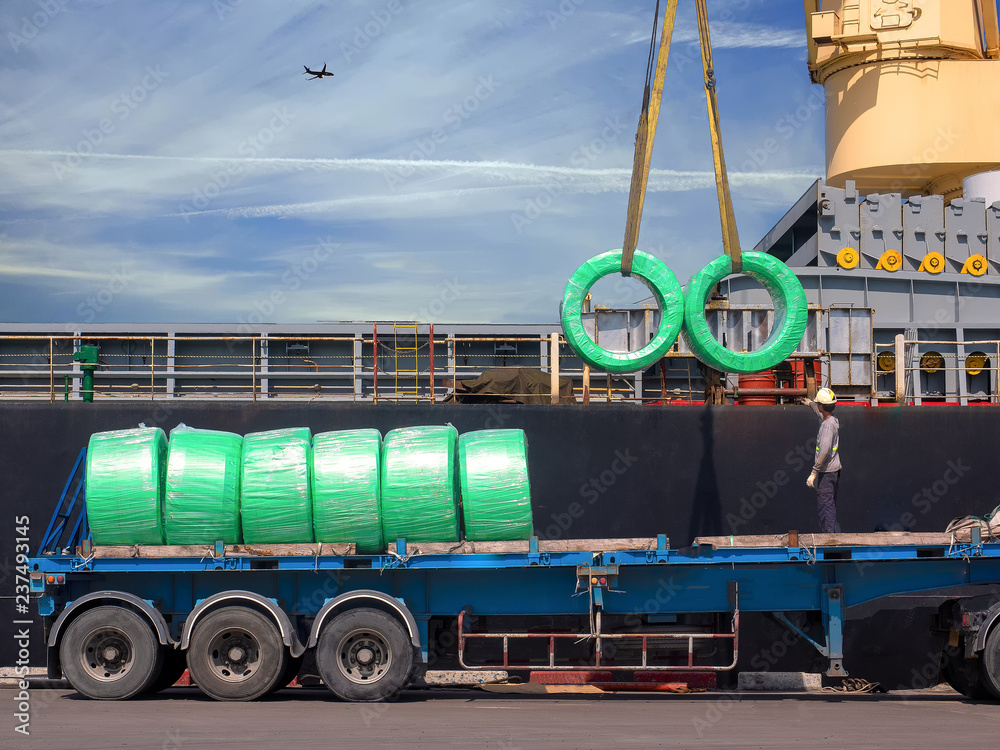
[(202, 500), (496, 498), (521, 385), (791, 314), (661, 281), (420, 484), (277, 503), (345, 488), (124, 487)]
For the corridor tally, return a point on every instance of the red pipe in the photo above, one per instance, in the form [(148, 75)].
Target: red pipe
[(767, 392)]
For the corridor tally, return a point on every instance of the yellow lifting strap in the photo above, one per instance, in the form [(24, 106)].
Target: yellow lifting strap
[(730, 235), (647, 131)]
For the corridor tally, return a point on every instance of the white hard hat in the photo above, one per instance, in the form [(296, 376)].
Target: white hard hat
[(826, 396)]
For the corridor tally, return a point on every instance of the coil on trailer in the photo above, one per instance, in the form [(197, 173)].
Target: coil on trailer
[(420, 484), (496, 493), (346, 488), (125, 477), (660, 280), (276, 497), (201, 502), (791, 314)]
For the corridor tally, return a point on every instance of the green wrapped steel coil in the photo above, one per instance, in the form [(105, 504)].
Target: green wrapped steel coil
[(420, 484), (661, 281), (124, 486), (496, 498), (276, 504), (791, 314), (345, 488), (202, 500)]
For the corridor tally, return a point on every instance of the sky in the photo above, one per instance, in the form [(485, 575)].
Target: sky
[(167, 161)]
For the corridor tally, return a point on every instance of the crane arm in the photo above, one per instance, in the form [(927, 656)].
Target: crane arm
[(812, 6), (991, 32)]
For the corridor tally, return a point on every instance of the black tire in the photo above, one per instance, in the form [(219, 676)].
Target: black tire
[(236, 654), (174, 664), (964, 675), (110, 653), (365, 655), (291, 672), (990, 666)]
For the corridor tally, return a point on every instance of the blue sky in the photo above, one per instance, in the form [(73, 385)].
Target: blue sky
[(166, 161)]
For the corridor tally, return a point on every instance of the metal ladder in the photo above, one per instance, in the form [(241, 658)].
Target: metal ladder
[(52, 540), (406, 377)]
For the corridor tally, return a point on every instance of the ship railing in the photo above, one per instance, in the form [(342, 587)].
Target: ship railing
[(361, 367)]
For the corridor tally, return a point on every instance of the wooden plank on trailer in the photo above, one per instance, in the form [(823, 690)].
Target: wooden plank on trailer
[(872, 539), (347, 549), (338, 549), (598, 545), (153, 551), (464, 548), (756, 540), (521, 547), (231, 550)]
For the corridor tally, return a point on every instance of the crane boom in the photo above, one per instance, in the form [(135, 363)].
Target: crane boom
[(991, 32)]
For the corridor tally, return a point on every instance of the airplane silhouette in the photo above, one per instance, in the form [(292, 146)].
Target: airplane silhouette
[(316, 73)]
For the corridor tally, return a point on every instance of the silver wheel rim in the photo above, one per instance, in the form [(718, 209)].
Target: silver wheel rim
[(107, 654), (364, 656), (234, 655)]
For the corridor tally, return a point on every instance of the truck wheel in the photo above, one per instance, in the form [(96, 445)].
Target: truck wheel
[(236, 654), (964, 675), (991, 663), (291, 672), (110, 653), (365, 655), (174, 664)]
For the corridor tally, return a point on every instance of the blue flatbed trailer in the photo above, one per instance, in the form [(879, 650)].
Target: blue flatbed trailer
[(120, 621)]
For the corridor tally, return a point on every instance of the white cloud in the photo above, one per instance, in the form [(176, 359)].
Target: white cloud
[(183, 144)]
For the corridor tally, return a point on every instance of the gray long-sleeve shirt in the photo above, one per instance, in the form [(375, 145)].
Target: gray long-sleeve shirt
[(827, 445)]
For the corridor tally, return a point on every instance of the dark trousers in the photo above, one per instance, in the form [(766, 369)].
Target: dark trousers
[(826, 499)]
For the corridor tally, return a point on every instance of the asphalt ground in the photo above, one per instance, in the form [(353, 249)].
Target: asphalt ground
[(307, 718)]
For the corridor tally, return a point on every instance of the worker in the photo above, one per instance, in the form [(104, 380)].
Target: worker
[(825, 474)]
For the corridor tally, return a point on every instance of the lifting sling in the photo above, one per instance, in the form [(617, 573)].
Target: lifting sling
[(652, 95)]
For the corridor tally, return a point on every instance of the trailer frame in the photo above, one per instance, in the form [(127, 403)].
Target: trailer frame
[(304, 589)]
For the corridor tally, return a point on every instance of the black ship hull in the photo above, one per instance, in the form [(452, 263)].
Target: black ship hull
[(618, 471)]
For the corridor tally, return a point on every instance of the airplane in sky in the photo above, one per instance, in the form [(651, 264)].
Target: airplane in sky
[(316, 73)]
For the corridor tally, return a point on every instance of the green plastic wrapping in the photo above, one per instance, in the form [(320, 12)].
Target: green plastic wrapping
[(202, 500), (791, 314), (126, 470), (420, 484), (345, 488), (276, 504), (661, 281), (496, 497)]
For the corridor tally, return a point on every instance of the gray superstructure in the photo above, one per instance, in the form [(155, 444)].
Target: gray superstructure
[(947, 315)]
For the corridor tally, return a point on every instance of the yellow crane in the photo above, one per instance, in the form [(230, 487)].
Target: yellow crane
[(911, 91)]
